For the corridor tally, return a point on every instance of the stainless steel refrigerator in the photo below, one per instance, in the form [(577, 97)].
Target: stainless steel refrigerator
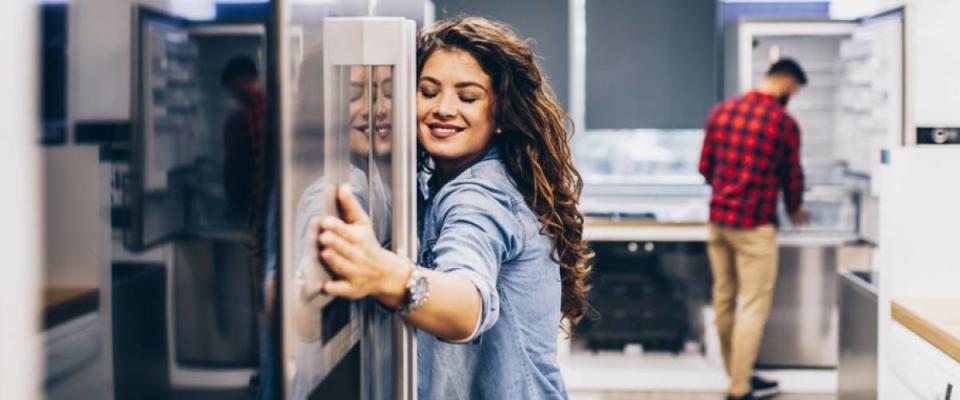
[(237, 298), (851, 110), (346, 115)]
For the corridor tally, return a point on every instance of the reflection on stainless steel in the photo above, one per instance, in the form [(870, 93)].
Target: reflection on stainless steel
[(802, 329), (338, 348), (327, 329), (857, 369)]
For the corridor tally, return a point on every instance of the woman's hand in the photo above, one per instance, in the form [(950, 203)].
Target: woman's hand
[(350, 250)]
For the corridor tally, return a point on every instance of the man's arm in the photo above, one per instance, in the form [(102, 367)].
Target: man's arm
[(706, 153), (791, 172)]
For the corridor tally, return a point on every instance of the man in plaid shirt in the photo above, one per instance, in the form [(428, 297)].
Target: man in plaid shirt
[(248, 182), (751, 152)]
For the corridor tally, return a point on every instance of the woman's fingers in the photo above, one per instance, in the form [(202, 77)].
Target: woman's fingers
[(342, 289), (333, 241), (353, 212), (337, 264), (347, 232)]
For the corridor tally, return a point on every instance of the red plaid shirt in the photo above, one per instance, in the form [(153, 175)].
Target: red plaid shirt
[(751, 151), (246, 177)]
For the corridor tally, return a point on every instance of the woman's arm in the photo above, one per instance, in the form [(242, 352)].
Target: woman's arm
[(350, 250)]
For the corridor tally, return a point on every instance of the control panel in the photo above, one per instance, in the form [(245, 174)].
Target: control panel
[(938, 135)]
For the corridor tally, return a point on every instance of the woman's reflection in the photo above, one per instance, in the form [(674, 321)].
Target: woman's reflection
[(373, 110), (318, 322)]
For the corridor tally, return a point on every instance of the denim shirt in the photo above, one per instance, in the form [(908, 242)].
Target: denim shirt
[(478, 226)]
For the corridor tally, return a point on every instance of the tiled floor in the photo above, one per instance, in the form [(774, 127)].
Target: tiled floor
[(686, 373), (680, 396)]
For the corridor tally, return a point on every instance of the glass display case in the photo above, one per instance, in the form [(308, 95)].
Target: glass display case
[(642, 174)]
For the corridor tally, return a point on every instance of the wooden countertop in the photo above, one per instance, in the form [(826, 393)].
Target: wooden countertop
[(935, 320), (607, 229), (63, 304)]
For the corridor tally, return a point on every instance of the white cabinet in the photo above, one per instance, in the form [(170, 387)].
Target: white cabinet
[(921, 370)]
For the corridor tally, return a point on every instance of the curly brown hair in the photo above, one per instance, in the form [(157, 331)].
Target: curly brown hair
[(535, 143)]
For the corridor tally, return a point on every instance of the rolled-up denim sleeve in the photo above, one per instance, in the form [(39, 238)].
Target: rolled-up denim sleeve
[(479, 233)]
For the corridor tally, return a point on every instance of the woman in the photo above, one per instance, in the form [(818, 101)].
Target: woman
[(502, 259)]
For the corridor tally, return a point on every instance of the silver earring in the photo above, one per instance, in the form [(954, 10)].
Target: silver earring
[(499, 131)]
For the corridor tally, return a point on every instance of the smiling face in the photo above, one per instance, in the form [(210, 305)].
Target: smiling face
[(455, 109), (360, 109)]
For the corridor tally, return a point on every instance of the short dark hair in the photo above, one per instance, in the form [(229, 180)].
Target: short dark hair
[(238, 67), (789, 67)]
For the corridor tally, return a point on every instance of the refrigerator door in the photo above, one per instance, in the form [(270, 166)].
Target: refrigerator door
[(876, 60), (180, 112), (178, 191), (347, 117), (161, 115)]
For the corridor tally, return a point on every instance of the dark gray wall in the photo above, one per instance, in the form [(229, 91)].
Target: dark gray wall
[(544, 22), (650, 63)]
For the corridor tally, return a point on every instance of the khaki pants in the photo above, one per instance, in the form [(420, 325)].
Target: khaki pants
[(744, 266)]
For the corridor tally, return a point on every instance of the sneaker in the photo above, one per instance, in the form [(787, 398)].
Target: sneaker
[(747, 396), (762, 388)]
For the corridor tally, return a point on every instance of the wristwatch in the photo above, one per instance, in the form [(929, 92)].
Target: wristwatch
[(418, 289)]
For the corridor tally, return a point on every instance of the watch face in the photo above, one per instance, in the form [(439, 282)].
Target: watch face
[(423, 285), (418, 292)]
